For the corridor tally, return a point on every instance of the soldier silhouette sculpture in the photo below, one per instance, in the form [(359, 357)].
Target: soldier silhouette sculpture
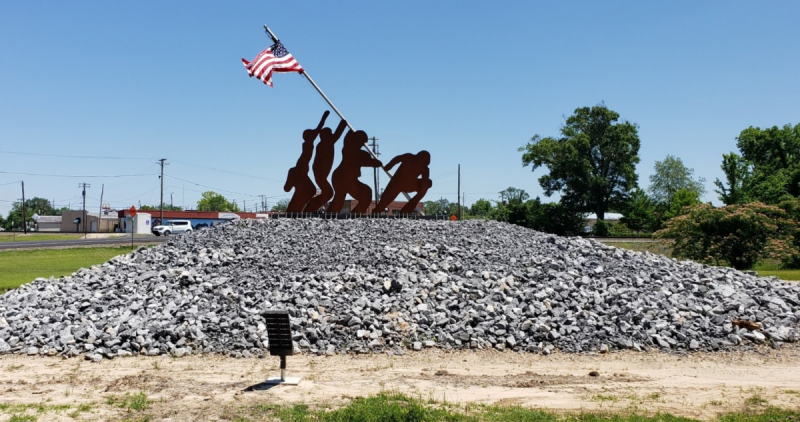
[(323, 163), (345, 177), (413, 175), (297, 178)]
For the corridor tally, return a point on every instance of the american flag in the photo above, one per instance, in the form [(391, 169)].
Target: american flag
[(273, 59)]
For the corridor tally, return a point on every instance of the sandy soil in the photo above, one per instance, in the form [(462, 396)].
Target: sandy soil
[(196, 388)]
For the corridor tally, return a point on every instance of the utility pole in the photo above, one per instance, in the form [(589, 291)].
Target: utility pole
[(263, 203), (24, 225), (84, 186), (458, 197), (100, 214), (171, 204), (375, 170), (161, 217)]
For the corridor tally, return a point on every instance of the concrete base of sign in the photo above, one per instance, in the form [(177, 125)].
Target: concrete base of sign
[(285, 381)]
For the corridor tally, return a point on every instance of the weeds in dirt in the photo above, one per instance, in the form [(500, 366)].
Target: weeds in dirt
[(602, 398), (137, 402), (81, 408), (23, 418), (756, 400)]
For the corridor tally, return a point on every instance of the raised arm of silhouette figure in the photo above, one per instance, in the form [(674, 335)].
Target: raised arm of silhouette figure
[(297, 177), (323, 163)]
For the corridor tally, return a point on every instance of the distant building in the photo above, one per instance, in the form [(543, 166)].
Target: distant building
[(48, 223), (74, 221), (199, 219)]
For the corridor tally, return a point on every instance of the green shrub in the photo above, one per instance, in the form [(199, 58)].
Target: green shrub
[(735, 235), (601, 228)]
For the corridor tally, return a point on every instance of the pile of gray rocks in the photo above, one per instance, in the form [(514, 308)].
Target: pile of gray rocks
[(376, 285)]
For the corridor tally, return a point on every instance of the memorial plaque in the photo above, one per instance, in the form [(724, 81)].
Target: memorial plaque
[(279, 333)]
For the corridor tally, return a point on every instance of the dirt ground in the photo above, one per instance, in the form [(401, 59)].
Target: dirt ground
[(699, 385)]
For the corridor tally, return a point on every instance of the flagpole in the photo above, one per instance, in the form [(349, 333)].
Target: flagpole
[(336, 110)]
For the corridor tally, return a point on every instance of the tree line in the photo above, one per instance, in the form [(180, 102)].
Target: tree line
[(591, 164)]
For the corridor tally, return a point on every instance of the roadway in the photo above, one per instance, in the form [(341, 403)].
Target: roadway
[(73, 243)]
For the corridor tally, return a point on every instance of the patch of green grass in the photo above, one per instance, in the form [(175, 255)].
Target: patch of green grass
[(771, 414), (35, 237), (786, 275), (23, 418), (400, 408), (19, 267), (137, 402)]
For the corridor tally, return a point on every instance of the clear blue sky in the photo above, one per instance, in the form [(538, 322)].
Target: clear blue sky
[(469, 81)]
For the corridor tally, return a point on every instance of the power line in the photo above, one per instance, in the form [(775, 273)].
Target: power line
[(73, 156), (10, 183), (211, 187), (72, 175), (226, 171)]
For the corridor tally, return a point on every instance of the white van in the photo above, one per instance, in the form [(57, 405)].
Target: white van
[(174, 226)]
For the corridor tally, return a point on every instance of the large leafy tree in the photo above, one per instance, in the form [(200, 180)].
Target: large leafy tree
[(671, 176), (592, 164), (737, 178), (212, 201), (481, 208), (775, 157)]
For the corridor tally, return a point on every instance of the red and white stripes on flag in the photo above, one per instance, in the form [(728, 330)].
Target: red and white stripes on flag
[(273, 59)]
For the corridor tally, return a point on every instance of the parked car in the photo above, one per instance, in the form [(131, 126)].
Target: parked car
[(173, 227)]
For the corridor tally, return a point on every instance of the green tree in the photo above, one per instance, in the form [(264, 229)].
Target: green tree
[(167, 207), (40, 206), (681, 201), (212, 201), (639, 212), (737, 177), (592, 164), (552, 218), (33, 206), (792, 207), (775, 157), (281, 205), (735, 235), (481, 208), (670, 176), (512, 194), (439, 206), (557, 219), (14, 219)]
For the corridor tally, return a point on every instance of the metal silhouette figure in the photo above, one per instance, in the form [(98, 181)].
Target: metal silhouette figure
[(297, 178), (323, 163), (413, 175), (345, 177)]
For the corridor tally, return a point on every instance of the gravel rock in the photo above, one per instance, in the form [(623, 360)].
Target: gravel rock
[(375, 285)]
